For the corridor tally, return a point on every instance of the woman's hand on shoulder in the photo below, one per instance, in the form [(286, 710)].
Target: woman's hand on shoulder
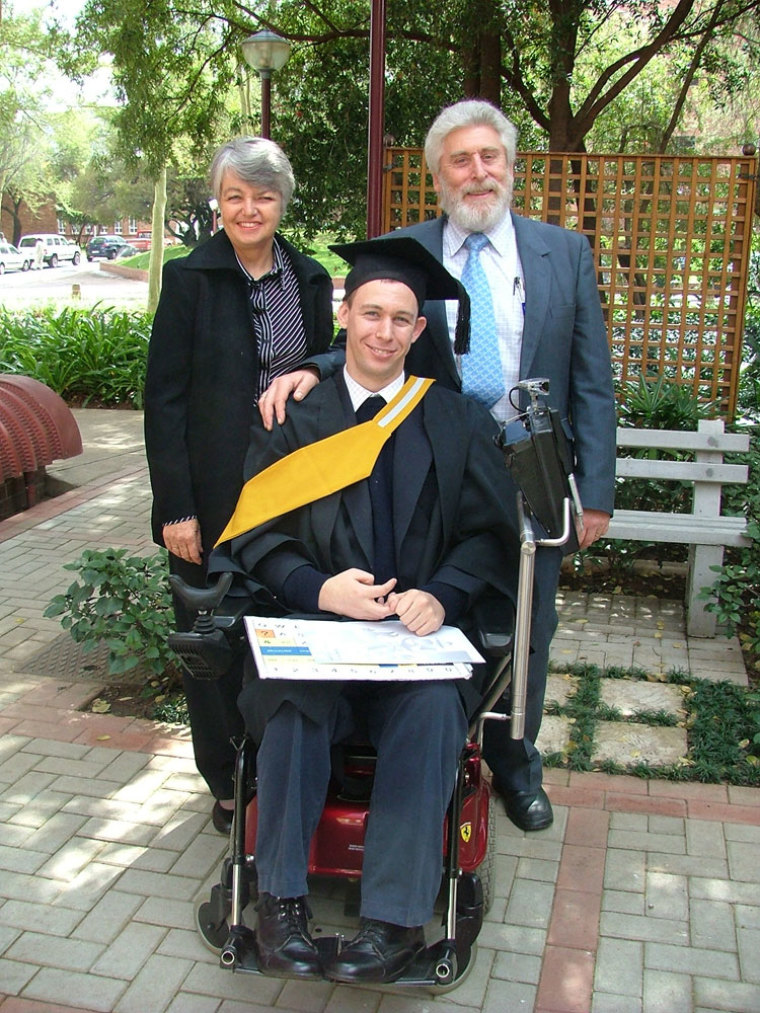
[(296, 385)]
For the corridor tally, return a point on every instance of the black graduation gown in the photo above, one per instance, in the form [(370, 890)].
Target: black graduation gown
[(450, 525)]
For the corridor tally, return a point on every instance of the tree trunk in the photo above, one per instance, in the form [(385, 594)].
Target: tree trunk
[(482, 52), (156, 262)]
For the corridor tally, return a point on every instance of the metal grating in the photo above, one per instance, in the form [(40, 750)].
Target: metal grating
[(65, 659)]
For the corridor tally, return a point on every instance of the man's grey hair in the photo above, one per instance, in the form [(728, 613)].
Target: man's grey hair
[(468, 113), (256, 160)]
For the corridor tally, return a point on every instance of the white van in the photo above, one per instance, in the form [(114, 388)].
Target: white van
[(56, 248)]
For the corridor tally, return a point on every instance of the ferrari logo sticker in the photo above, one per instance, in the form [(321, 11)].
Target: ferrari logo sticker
[(466, 831)]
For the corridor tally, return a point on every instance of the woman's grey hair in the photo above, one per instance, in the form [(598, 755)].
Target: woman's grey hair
[(468, 113), (256, 160)]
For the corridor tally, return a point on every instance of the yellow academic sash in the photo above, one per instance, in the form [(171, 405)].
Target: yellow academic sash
[(321, 468)]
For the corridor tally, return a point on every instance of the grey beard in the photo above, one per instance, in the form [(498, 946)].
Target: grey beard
[(476, 219)]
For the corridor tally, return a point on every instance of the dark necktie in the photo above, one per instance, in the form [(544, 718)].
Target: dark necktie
[(368, 409), (381, 496)]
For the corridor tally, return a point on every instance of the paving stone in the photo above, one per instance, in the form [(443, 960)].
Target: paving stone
[(720, 888), (624, 870), (70, 859), (69, 954), (662, 930), (152, 884), (667, 896), (631, 697), (133, 857), (14, 976), (742, 862), (205, 980), (725, 995), (85, 991), (512, 938), (108, 917), (629, 743), (554, 735), (619, 967), (622, 902), (154, 986), (667, 992), (530, 903), (88, 886), (186, 1003), (186, 943), (747, 917), (129, 951), (633, 841), (604, 1002), (749, 948), (560, 687), (691, 960), (686, 865), (506, 995), (712, 924)]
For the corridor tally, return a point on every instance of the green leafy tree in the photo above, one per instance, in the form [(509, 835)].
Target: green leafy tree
[(561, 70)]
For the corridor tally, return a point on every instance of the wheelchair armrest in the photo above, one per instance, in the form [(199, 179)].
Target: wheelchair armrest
[(495, 623), (495, 644)]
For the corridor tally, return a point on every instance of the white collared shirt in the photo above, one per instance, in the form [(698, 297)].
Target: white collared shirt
[(359, 394), (501, 263)]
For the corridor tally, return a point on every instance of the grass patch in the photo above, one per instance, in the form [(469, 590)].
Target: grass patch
[(142, 260), (722, 726)]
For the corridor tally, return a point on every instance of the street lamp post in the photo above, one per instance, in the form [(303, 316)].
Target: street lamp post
[(266, 52)]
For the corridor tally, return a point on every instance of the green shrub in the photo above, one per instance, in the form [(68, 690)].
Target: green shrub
[(85, 355), (124, 602), (734, 597)]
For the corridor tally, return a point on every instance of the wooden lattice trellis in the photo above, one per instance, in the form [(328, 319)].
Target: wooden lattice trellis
[(671, 236)]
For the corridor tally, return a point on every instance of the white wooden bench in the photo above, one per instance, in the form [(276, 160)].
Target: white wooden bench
[(705, 529)]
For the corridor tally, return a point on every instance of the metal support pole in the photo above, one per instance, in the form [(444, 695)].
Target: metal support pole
[(376, 120), (266, 102)]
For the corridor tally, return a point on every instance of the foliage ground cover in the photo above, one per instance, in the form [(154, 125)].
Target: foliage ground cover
[(722, 724), (90, 357)]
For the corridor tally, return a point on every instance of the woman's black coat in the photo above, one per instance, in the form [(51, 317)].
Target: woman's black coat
[(200, 393)]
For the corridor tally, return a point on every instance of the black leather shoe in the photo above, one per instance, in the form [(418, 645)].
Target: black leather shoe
[(222, 819), (283, 945), (379, 952), (527, 810)]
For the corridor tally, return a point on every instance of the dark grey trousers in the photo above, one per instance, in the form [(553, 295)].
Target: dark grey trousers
[(418, 730)]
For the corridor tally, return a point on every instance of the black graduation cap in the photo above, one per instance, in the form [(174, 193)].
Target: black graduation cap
[(401, 258)]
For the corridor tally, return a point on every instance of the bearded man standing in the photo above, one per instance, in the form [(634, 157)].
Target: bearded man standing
[(535, 313)]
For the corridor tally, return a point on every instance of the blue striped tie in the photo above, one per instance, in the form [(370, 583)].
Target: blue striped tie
[(482, 376)]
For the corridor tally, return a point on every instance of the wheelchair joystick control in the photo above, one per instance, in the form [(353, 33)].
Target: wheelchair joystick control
[(536, 387)]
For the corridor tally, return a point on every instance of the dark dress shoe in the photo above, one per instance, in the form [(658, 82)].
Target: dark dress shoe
[(379, 952), (528, 810), (222, 819), (284, 947)]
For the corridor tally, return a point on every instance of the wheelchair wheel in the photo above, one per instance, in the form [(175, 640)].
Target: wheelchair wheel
[(486, 871), (213, 928)]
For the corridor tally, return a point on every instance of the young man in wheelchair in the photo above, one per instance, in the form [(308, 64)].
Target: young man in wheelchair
[(422, 538)]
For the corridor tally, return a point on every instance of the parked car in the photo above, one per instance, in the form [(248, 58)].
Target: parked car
[(141, 241), (105, 246), (56, 248), (12, 259), (130, 250)]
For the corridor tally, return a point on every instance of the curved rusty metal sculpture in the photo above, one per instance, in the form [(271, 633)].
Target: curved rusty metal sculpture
[(36, 428)]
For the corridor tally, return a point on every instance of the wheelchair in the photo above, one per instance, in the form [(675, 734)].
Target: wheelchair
[(468, 859)]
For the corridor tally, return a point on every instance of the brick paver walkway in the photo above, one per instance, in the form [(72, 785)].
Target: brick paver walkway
[(643, 895)]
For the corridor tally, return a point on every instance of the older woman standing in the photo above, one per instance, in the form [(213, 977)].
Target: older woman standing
[(240, 310)]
